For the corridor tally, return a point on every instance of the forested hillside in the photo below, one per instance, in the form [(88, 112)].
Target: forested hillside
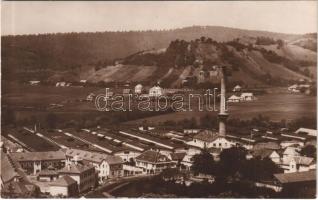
[(92, 56)]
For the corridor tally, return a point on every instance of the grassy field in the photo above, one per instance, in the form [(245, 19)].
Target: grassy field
[(275, 106)]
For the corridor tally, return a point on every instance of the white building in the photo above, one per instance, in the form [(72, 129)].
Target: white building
[(291, 152), (84, 175), (297, 164), (34, 82), (209, 139), (237, 88), (64, 186), (234, 98), (153, 162), (107, 166), (127, 155), (155, 91), (247, 96), (138, 89), (294, 88)]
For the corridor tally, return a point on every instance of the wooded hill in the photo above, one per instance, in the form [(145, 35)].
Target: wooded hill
[(92, 56)]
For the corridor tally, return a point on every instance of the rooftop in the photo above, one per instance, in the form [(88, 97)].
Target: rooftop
[(206, 135), (93, 156), (37, 156), (75, 169), (311, 132), (301, 160), (263, 153), (8, 171), (64, 181), (296, 177), (152, 156)]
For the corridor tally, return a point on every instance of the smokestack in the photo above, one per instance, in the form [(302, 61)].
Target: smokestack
[(223, 115)]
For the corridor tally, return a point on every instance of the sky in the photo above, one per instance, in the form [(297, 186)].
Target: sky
[(62, 16)]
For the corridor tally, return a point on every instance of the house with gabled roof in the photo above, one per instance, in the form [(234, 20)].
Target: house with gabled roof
[(153, 162), (297, 164), (234, 98), (107, 166), (34, 162), (247, 96), (83, 174), (291, 152), (64, 186), (209, 139), (267, 153)]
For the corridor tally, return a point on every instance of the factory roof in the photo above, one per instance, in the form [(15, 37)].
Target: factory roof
[(37, 156)]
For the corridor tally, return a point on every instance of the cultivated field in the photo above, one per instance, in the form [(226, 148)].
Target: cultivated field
[(275, 106)]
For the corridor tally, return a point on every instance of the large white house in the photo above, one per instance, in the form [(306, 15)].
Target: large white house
[(83, 174), (153, 162), (247, 96), (209, 139), (234, 98)]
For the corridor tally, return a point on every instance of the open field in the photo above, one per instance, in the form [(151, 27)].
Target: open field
[(275, 106), (28, 100)]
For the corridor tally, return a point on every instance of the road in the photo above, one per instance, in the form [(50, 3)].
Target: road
[(106, 189)]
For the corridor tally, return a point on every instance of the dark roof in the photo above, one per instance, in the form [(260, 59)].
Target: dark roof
[(296, 177), (35, 156), (152, 156), (64, 181), (262, 153), (267, 145)]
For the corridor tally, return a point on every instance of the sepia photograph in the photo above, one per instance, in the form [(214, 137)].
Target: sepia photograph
[(159, 99)]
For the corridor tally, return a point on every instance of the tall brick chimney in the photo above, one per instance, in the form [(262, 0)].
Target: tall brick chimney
[(223, 115)]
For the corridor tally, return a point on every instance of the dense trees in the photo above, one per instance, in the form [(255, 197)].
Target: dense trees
[(203, 163), (309, 151), (234, 166)]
